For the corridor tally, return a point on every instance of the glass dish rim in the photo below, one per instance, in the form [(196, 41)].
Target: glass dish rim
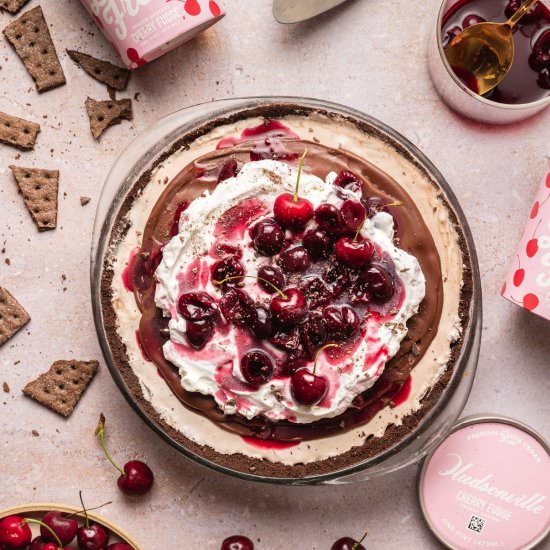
[(545, 101), (102, 231)]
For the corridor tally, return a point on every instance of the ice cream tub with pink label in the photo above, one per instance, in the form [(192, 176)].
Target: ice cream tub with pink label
[(528, 281), (488, 486), (142, 30)]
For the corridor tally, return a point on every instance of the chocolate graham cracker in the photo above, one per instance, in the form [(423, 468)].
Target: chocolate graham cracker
[(30, 36), (39, 189), (103, 71), (61, 388), (103, 114), (13, 316), (18, 132), (13, 6)]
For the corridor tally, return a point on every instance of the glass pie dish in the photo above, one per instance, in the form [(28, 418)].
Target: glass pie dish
[(137, 173)]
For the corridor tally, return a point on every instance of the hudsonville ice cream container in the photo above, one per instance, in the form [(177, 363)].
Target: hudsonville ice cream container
[(528, 281), (488, 486), (142, 30)]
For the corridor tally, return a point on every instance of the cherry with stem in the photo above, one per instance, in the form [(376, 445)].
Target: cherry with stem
[(306, 387), (136, 478)]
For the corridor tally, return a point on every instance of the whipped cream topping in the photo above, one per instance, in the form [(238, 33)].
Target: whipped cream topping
[(215, 370)]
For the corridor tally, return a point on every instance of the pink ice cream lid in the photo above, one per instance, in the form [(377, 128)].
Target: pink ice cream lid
[(488, 486)]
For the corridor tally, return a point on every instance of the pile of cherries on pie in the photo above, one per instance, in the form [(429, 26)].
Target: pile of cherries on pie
[(16, 534), (338, 274)]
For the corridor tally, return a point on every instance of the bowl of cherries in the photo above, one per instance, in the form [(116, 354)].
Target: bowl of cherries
[(47, 526)]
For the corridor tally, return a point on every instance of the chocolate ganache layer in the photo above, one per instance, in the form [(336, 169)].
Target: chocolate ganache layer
[(411, 235)]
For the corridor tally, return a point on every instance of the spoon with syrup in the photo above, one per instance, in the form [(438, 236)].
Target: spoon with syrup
[(481, 55)]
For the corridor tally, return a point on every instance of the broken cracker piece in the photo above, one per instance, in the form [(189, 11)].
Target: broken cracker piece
[(39, 188), (13, 316), (61, 388), (18, 132), (84, 201), (31, 39), (103, 114), (13, 6), (113, 76)]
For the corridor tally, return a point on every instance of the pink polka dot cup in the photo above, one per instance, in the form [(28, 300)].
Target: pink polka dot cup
[(142, 30), (528, 281)]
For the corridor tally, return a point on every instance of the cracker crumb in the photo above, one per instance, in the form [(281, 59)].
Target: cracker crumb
[(84, 201), (5, 387), (35, 433)]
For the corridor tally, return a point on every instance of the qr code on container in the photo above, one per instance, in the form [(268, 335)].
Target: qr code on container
[(476, 524)]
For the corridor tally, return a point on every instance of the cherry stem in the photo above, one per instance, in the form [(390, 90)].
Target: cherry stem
[(48, 528), (277, 289), (326, 346), (84, 508), (300, 164), (100, 431), (358, 231), (356, 545), (90, 509)]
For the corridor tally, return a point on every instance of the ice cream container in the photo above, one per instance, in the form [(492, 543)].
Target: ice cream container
[(142, 30), (488, 486)]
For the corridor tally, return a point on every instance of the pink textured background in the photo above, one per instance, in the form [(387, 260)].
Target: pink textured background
[(369, 55)]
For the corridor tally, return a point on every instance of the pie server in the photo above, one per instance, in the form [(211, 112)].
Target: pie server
[(294, 11)]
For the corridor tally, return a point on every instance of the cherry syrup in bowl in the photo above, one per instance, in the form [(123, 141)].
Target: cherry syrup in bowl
[(524, 91), (529, 76)]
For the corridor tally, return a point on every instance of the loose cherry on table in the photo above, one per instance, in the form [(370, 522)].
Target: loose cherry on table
[(289, 209), (136, 478), (64, 527), (347, 543), (237, 542), (306, 387)]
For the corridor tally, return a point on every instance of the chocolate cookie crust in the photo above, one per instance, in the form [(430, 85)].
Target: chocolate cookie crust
[(394, 436)]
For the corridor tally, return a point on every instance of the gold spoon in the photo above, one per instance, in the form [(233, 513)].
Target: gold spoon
[(481, 55)]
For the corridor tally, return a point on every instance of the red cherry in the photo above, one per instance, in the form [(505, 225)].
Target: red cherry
[(317, 243), (65, 528), (174, 229), (308, 388), (378, 281), (295, 259), (229, 170), (530, 302), (215, 10), (137, 480), (267, 237), (290, 308), (292, 213), (237, 542), (192, 7), (472, 19), (348, 180), (257, 367), (196, 306), (227, 268), (198, 333), (353, 213), (329, 219), (38, 543), (273, 275), (347, 543), (238, 307), (535, 210), (532, 247), (342, 322), (354, 253), (15, 533), (92, 537), (519, 276)]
